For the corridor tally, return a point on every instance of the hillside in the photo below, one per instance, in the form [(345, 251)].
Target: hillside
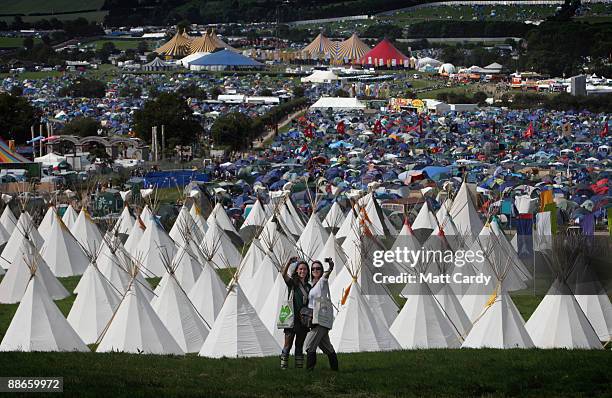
[(33, 10)]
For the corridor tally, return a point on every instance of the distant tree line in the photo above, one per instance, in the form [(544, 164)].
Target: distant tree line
[(156, 12), (561, 102), (467, 29), (79, 27)]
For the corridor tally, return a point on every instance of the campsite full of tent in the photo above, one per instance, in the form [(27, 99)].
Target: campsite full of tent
[(191, 310)]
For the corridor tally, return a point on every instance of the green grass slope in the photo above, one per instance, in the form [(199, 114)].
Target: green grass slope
[(442, 373)]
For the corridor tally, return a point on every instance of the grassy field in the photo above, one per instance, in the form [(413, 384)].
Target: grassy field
[(445, 373), (442, 373), (32, 75), (123, 44), (48, 6), (14, 41), (466, 13)]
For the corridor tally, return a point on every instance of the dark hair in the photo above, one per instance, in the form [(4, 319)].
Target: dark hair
[(295, 276), (316, 262)]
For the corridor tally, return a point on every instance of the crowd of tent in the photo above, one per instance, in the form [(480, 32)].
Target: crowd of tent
[(192, 310)]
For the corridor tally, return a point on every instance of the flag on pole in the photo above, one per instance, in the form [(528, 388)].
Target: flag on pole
[(529, 132)]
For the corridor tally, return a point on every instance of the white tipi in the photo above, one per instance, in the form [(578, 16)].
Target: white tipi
[(357, 328), (238, 331), (136, 328), (62, 252), (38, 325)]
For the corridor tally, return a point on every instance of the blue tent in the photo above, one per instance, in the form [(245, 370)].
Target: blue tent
[(225, 58)]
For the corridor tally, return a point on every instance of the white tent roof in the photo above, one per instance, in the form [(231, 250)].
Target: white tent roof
[(238, 331), (4, 238), (422, 324), (113, 268), (291, 218), (133, 240), (154, 246), (50, 159), (125, 222), (86, 232), (186, 61), (379, 222), (276, 242), (24, 227), (70, 216), (222, 218), (333, 250), (559, 322), (15, 281), (183, 224), (313, 237), (62, 252), (257, 217), (93, 307), (136, 328), (186, 268), (320, 76), (253, 257), (425, 61), (500, 326), (8, 219), (465, 215), (219, 247), (357, 328), (347, 225), (179, 315), (338, 103), (38, 325), (45, 225), (208, 293), (269, 311), (334, 217), (199, 219), (425, 219), (257, 288)]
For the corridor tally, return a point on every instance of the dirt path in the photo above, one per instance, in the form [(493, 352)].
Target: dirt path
[(270, 133)]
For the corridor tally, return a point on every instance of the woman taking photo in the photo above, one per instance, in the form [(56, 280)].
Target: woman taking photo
[(319, 335), (299, 286)]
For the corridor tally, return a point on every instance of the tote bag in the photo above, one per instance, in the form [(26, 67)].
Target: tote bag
[(323, 313), (285, 317)]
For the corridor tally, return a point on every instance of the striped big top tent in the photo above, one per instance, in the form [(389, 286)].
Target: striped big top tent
[(352, 49), (209, 42), (321, 47), (178, 46), (7, 155)]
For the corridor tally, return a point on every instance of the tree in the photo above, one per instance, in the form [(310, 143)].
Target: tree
[(192, 91), (298, 91), (341, 93), (28, 43), (84, 88), (106, 50), (182, 26), (480, 98), (171, 111), (143, 47), (82, 127), (215, 92), (232, 130), (16, 91), (151, 56), (16, 118), (99, 153)]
